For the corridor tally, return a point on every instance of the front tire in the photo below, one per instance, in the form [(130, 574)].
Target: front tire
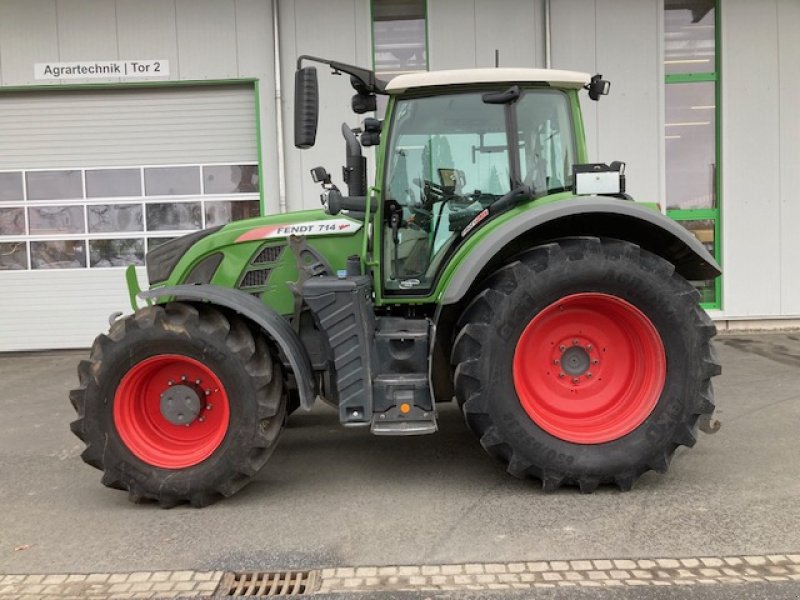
[(179, 403), (584, 362)]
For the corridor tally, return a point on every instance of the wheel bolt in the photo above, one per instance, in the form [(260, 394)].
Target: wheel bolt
[(555, 362), (595, 362), (209, 406), (562, 347), (575, 380), (575, 342), (561, 374), (208, 392), (183, 377), (170, 382), (201, 419), (588, 374), (589, 347)]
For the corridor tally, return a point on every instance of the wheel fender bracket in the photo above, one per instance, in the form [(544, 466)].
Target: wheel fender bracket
[(270, 321)]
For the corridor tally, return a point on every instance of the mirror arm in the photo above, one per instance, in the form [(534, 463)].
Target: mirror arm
[(365, 76)]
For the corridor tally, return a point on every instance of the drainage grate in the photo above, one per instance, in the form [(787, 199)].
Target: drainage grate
[(268, 255), (256, 278), (254, 585)]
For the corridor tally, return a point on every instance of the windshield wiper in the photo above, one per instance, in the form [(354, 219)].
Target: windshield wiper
[(510, 199)]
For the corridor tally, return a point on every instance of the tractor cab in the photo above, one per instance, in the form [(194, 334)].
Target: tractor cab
[(457, 148)]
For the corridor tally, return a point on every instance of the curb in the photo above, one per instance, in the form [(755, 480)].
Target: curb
[(706, 570)]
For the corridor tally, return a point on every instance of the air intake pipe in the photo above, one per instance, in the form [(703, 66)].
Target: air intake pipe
[(354, 173)]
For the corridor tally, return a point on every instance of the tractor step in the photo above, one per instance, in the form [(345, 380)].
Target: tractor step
[(403, 427), (408, 398)]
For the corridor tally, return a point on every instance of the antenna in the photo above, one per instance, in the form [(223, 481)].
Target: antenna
[(496, 58)]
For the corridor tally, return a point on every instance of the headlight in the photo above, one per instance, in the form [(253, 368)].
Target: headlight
[(162, 259)]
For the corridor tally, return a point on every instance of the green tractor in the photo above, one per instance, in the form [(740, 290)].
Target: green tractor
[(490, 263)]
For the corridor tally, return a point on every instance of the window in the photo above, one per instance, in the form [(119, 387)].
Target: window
[(113, 183), (99, 218), (449, 160), (11, 187), (399, 40), (399, 36), (691, 132)]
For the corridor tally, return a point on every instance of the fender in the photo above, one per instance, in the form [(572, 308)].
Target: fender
[(275, 325), (595, 216)]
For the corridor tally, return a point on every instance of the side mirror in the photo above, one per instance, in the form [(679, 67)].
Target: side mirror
[(306, 107), (363, 103), (597, 87)]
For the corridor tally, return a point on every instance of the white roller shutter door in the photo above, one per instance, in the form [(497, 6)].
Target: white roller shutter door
[(204, 130)]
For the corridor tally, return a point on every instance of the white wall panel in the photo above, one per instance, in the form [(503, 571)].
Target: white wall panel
[(255, 51), (750, 133), (451, 38), (146, 30), (573, 47), (630, 117), (512, 28), (465, 34), (28, 35), (87, 30), (789, 152), (328, 29), (621, 40), (60, 308), (207, 39)]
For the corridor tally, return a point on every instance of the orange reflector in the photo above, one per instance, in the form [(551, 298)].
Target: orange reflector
[(405, 408)]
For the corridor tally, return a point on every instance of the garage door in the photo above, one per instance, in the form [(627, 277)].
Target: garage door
[(90, 179)]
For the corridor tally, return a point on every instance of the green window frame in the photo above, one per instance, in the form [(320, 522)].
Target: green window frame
[(708, 214)]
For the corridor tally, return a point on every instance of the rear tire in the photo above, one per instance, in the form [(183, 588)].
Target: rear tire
[(585, 362), (217, 364)]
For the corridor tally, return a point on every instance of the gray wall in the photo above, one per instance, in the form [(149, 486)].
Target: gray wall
[(621, 39), (338, 30), (464, 34), (202, 39), (761, 154)]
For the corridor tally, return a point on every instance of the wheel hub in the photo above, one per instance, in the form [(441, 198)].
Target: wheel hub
[(589, 368), (575, 361), (180, 404), (171, 411)]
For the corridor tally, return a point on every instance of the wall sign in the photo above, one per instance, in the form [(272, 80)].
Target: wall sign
[(101, 69)]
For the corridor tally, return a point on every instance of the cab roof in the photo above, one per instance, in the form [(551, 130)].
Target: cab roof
[(554, 77)]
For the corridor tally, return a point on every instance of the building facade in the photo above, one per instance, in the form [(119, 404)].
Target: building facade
[(124, 123)]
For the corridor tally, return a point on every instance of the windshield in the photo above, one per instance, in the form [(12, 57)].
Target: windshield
[(449, 159)]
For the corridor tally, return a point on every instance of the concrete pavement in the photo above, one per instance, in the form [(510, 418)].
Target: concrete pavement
[(331, 497)]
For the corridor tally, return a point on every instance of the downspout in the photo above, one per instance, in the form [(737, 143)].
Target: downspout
[(279, 111), (547, 61)]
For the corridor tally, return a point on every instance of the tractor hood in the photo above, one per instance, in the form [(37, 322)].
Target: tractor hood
[(254, 255)]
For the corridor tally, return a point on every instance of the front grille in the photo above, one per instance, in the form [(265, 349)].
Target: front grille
[(268, 255), (257, 278), (282, 583)]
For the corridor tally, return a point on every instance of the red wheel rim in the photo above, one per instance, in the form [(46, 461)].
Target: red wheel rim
[(147, 432), (589, 368)]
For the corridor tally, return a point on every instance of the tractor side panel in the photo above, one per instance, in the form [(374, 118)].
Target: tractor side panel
[(258, 259)]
